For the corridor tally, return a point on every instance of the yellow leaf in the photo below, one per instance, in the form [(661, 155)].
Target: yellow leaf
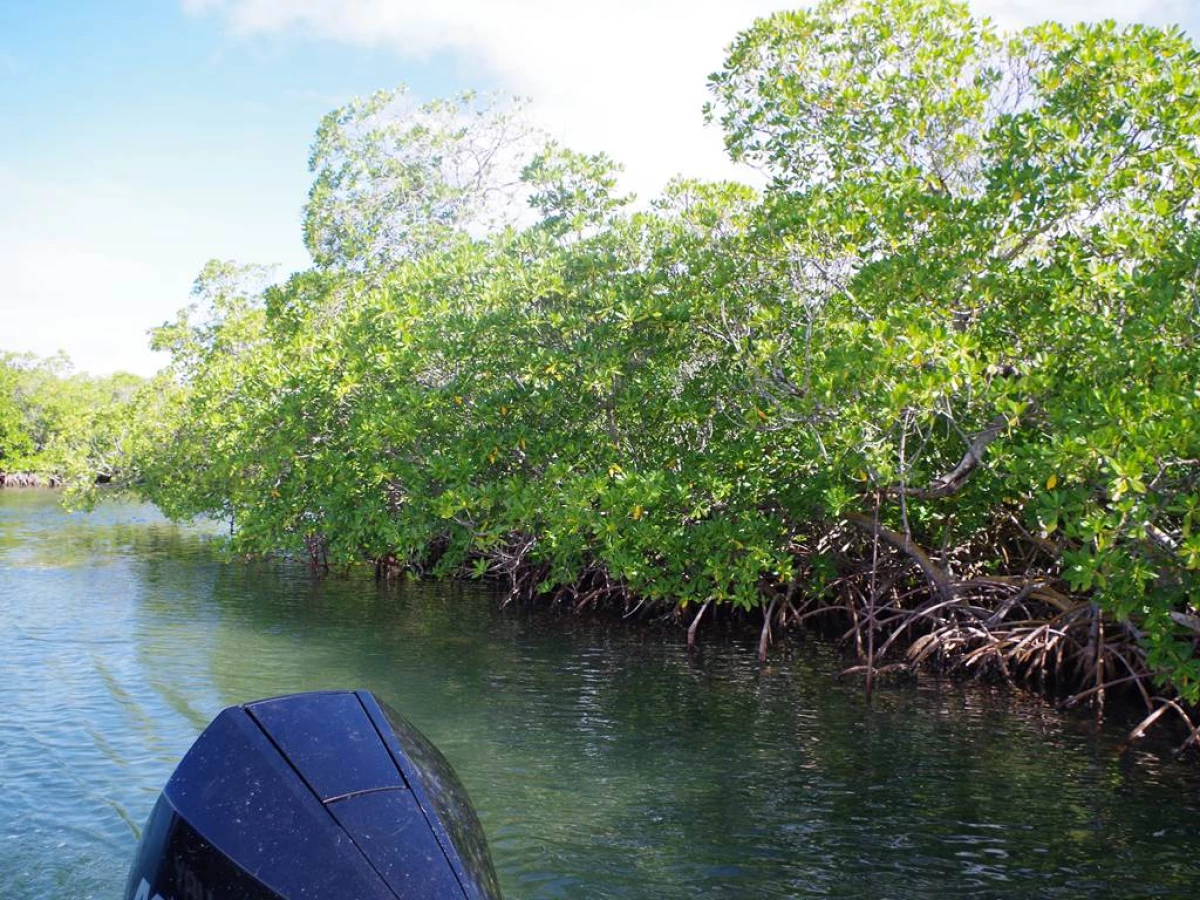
[(458, 399), (761, 415), (521, 443), (637, 512), (1051, 482), (504, 410)]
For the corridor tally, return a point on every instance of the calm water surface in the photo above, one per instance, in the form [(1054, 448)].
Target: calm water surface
[(604, 762)]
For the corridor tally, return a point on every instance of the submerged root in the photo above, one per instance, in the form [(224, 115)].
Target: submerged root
[(28, 479), (1019, 628), (691, 633), (901, 608)]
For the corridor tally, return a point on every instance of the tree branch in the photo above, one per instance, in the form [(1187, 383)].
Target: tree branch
[(905, 545), (956, 479)]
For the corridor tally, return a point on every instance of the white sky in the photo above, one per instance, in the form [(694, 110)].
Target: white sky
[(92, 261), (625, 76)]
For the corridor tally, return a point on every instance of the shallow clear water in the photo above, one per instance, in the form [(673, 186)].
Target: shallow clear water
[(604, 761)]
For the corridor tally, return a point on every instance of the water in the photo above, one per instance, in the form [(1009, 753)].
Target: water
[(604, 762)]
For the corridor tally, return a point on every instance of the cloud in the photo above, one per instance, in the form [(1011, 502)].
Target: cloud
[(90, 264), (74, 298), (627, 76), (624, 77), (77, 278), (1154, 12)]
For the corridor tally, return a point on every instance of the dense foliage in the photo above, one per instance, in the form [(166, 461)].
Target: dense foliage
[(938, 378), (60, 426)]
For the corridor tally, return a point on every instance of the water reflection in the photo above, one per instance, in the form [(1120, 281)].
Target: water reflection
[(605, 762)]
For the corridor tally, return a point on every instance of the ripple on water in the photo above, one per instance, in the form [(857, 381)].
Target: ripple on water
[(605, 760)]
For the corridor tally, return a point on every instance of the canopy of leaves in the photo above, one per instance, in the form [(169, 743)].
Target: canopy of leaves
[(65, 426), (964, 315), (394, 180)]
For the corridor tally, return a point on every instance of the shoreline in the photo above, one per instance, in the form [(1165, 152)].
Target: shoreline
[(1031, 638), (28, 480)]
